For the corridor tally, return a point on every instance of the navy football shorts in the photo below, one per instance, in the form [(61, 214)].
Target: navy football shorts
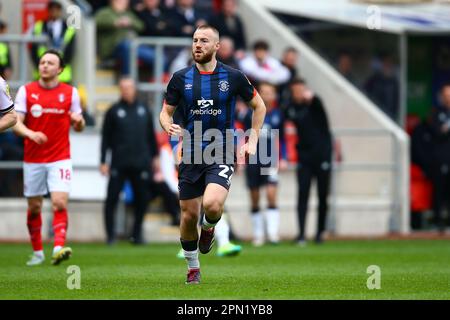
[(258, 176), (193, 178)]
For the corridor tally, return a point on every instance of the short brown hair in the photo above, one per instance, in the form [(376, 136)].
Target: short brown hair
[(297, 81), (56, 53), (261, 45), (207, 26), (266, 83), (54, 4)]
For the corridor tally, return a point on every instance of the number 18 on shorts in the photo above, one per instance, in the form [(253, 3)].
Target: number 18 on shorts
[(41, 178)]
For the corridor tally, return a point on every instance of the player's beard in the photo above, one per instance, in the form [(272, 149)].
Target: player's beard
[(207, 57)]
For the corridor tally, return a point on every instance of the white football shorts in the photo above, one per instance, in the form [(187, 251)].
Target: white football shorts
[(41, 178)]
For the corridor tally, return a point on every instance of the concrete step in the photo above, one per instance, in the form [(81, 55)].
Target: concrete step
[(105, 96), (86, 222), (105, 78), (107, 92), (102, 106), (157, 228)]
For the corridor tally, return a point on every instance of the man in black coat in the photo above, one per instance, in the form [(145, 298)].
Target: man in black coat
[(314, 149), (441, 157), (128, 134)]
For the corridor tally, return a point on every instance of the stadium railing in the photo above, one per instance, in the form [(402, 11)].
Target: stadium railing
[(84, 57), (159, 43), (85, 50), (23, 40), (393, 167)]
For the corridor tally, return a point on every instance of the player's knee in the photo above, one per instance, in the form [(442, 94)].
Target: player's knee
[(189, 218), (212, 206), (35, 208), (59, 204)]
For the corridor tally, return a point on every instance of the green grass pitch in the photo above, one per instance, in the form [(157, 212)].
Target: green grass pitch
[(410, 269)]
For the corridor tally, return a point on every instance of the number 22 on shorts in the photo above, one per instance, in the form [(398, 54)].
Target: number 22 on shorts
[(224, 171)]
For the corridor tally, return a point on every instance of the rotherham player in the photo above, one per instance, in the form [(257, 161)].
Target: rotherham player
[(46, 109), (8, 116)]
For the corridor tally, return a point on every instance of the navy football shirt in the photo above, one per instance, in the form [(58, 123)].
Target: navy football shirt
[(273, 120), (207, 99)]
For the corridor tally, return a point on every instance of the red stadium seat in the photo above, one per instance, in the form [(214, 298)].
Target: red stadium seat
[(166, 77), (421, 190), (412, 121), (290, 134), (238, 125)]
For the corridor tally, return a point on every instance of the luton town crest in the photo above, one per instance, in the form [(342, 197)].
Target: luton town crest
[(224, 86)]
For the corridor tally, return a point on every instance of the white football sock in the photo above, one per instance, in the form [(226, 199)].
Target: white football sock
[(207, 225), (39, 253), (273, 224), (192, 259), (258, 226), (222, 232)]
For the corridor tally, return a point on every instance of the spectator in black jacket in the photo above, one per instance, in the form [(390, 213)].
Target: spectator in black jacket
[(422, 146), (226, 52), (441, 157), (187, 18), (230, 25), (383, 88), (61, 37), (345, 66), (159, 22), (128, 133), (97, 4), (156, 20), (307, 113), (290, 60)]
